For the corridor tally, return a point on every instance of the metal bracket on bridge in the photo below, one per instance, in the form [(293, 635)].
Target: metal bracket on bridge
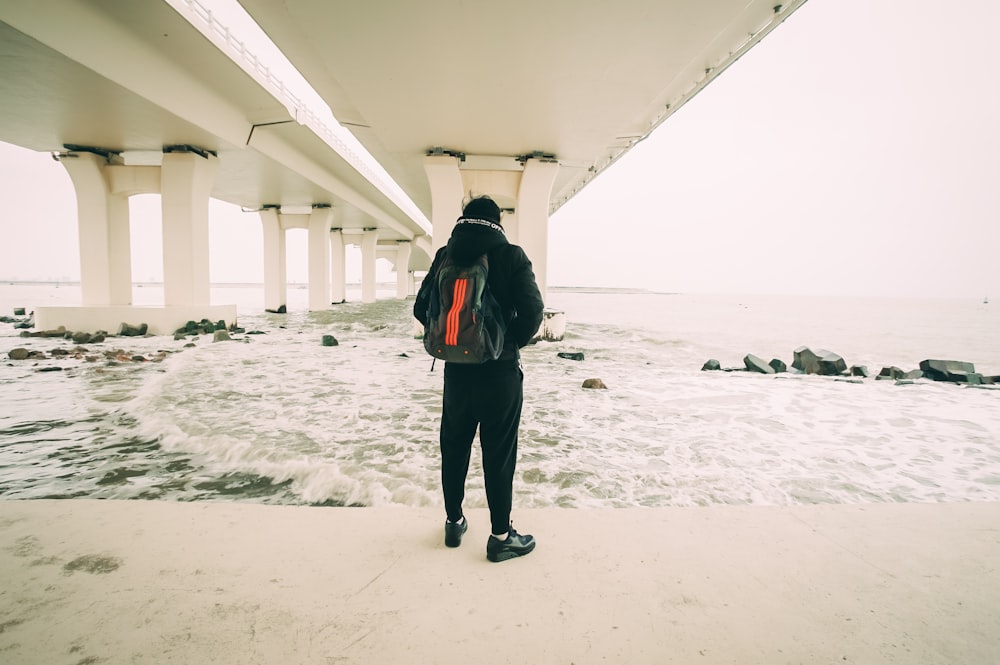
[(537, 154), (266, 206), (71, 148), (438, 150), (201, 152)]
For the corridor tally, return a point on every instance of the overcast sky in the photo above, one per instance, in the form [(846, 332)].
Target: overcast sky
[(856, 150)]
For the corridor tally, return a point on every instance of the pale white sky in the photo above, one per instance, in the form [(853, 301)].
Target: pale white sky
[(854, 151)]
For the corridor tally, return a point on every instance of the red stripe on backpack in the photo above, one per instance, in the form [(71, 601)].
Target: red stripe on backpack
[(453, 322)]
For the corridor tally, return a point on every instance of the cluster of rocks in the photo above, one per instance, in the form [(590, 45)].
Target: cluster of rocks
[(19, 320), (218, 330), (112, 356), (205, 327), (61, 332), (827, 363)]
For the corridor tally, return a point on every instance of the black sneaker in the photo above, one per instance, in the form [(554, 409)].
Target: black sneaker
[(453, 532), (514, 546)]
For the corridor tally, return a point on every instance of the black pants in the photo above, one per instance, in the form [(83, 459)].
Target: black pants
[(488, 396)]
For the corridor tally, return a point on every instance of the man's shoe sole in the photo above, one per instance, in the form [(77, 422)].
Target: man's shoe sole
[(505, 555)]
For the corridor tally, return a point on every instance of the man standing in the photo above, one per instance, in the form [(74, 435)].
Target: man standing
[(487, 396)]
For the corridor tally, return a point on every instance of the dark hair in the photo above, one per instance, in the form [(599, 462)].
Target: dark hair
[(482, 207)]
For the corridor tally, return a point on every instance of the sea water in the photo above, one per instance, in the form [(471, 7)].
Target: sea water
[(277, 417)]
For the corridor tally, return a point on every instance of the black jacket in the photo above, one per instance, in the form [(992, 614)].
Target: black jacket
[(511, 279)]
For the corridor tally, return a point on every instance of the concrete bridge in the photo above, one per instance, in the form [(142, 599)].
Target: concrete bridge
[(525, 101)]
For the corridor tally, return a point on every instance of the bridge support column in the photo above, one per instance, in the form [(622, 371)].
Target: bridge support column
[(404, 278), (103, 185), (446, 196), (524, 184), (338, 267), (186, 182), (105, 245), (369, 246), (527, 188), (533, 198), (275, 273), (320, 221)]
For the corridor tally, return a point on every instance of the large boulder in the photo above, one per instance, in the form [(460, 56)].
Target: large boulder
[(890, 373), (594, 383), (710, 365), (755, 364), (819, 361), (127, 330), (18, 354), (948, 370), (778, 365)]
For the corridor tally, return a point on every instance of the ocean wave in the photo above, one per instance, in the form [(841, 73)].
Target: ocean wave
[(280, 418)]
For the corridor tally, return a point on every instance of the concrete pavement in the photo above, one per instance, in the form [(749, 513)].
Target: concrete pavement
[(159, 582)]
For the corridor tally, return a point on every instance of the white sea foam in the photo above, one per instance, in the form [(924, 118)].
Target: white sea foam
[(279, 417)]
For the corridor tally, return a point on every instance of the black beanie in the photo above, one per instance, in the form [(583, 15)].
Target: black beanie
[(482, 207)]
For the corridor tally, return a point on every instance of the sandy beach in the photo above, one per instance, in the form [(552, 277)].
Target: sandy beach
[(88, 582)]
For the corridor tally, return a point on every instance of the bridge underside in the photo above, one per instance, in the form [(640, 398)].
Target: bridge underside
[(50, 100), (580, 82), (522, 100), (125, 92)]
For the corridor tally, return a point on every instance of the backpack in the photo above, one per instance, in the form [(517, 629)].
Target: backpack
[(464, 321)]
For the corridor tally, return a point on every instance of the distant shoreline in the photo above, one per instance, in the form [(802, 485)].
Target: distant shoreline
[(386, 285), (605, 290)]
